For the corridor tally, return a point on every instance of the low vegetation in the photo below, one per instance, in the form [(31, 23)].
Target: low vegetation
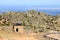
[(37, 21)]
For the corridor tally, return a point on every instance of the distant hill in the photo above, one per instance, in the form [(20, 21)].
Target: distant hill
[(35, 20)]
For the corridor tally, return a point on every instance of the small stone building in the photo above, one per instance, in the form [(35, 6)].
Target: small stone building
[(18, 28)]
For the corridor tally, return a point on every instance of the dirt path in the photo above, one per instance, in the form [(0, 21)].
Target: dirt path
[(13, 36), (1, 38)]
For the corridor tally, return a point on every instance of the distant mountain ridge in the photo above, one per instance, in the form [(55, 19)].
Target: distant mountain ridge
[(47, 11)]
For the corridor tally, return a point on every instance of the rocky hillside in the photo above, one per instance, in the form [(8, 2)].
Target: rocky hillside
[(37, 21)]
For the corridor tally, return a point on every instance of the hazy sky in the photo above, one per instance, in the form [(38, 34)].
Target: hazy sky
[(6, 5), (27, 3)]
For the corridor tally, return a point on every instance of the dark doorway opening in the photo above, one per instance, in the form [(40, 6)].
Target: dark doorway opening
[(16, 29)]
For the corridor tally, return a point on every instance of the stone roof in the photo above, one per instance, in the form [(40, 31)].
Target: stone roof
[(17, 24), (53, 35)]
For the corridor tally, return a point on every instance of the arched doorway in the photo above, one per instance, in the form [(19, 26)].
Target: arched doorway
[(16, 29)]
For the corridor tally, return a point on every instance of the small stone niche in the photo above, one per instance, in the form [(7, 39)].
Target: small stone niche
[(18, 28)]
